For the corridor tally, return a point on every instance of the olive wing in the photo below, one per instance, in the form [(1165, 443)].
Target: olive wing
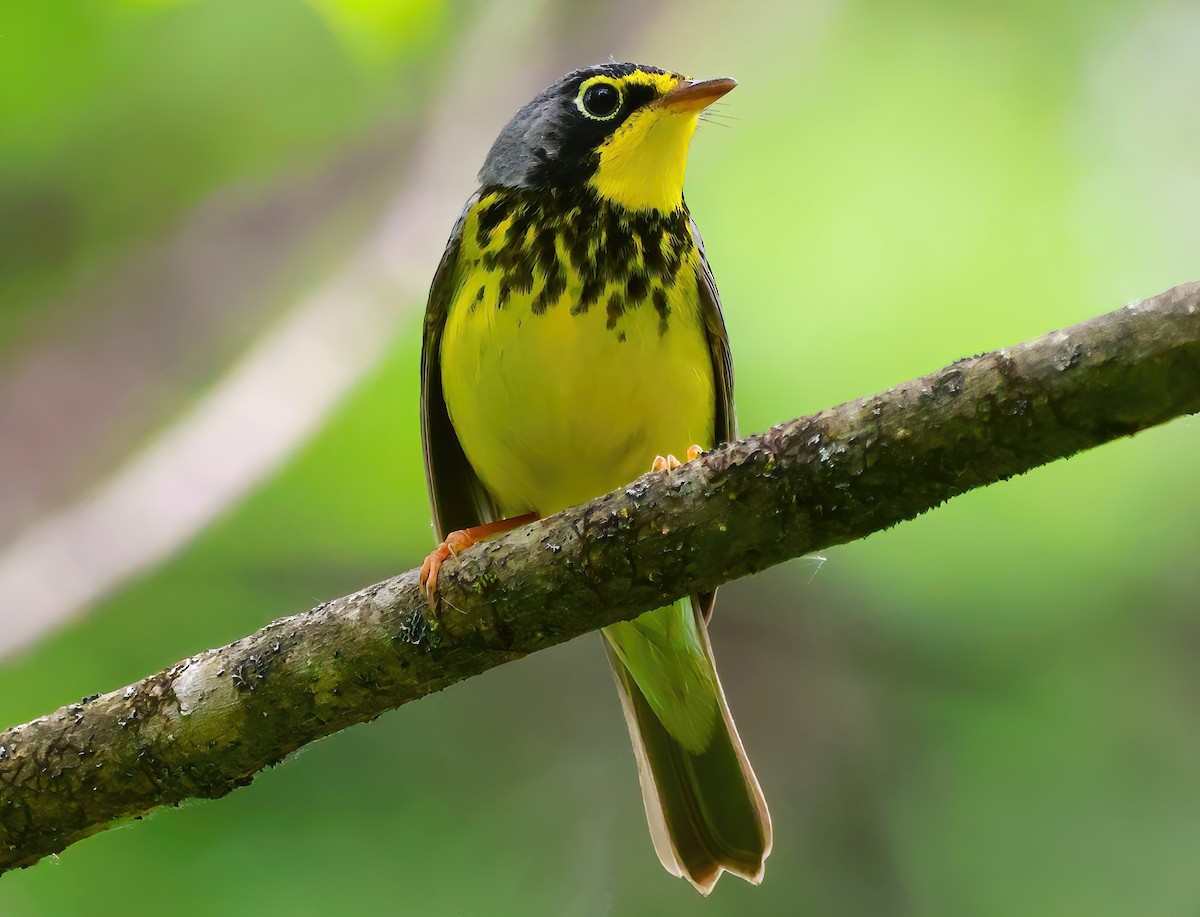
[(725, 421), (456, 494)]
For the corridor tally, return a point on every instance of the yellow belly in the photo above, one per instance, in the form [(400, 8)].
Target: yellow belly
[(555, 409)]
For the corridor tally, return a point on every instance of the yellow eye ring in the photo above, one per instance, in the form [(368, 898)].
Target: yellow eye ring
[(599, 98)]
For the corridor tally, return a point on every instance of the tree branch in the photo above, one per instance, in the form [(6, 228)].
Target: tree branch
[(207, 724)]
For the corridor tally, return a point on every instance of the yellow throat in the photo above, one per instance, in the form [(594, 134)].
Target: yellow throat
[(643, 163)]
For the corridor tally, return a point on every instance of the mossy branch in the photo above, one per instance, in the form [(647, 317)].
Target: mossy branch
[(207, 724)]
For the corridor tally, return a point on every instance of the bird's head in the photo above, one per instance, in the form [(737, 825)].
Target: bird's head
[(620, 129)]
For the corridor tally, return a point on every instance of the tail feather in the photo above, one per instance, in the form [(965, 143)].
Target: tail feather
[(706, 810)]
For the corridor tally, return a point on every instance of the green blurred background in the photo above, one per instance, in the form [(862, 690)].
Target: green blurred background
[(990, 710)]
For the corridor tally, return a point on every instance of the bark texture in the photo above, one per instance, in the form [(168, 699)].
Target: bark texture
[(206, 725)]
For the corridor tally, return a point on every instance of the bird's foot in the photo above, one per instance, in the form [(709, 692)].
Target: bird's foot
[(456, 541), (670, 463), (460, 540)]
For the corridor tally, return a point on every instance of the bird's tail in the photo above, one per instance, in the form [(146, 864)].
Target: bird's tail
[(706, 811)]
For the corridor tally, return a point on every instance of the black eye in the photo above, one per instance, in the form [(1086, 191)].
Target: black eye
[(601, 100)]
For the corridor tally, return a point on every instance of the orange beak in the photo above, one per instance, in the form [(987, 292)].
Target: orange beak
[(691, 96)]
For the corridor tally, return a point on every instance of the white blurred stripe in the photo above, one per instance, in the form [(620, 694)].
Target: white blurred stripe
[(284, 388)]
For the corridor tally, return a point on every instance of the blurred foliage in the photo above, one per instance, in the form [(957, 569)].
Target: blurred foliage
[(376, 31), (120, 116), (986, 711)]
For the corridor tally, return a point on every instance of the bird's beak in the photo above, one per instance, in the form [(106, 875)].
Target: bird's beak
[(690, 96)]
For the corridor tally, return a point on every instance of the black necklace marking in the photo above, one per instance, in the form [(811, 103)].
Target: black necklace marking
[(635, 255)]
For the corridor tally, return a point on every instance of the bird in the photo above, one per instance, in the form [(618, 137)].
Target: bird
[(574, 339)]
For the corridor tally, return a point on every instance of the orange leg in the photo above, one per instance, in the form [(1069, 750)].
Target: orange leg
[(670, 463), (460, 540)]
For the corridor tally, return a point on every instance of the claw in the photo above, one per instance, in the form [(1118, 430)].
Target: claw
[(670, 463), (457, 541)]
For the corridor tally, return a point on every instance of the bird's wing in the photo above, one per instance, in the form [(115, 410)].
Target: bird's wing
[(725, 426), (456, 494), (725, 422)]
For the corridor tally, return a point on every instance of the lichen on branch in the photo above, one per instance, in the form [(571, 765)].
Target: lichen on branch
[(206, 725)]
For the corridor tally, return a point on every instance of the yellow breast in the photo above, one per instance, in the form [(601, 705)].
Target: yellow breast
[(566, 383)]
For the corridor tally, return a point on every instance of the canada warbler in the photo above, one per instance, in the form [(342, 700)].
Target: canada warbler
[(573, 333)]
